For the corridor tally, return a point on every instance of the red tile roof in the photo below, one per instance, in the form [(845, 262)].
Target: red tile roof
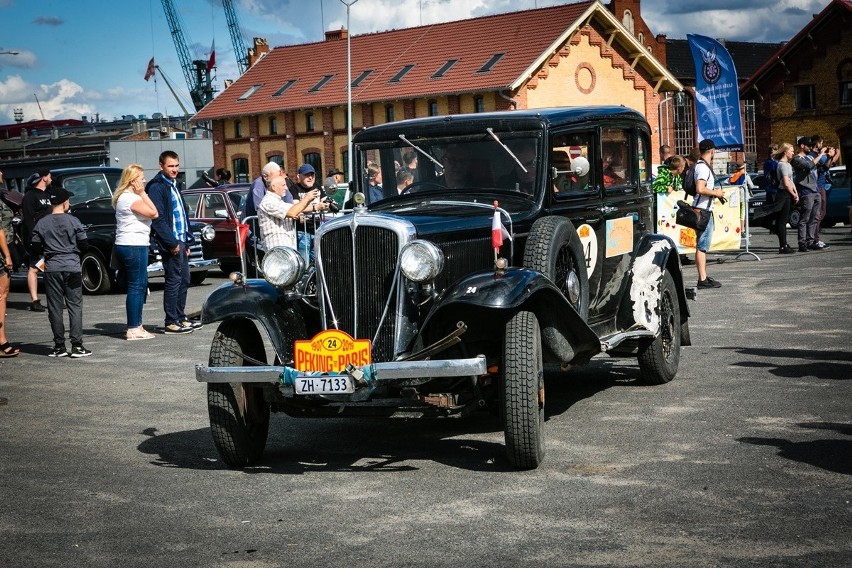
[(523, 36)]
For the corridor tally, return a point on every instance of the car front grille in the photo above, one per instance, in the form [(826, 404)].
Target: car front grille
[(357, 282), (196, 249)]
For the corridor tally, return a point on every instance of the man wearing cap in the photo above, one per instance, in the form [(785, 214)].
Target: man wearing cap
[(62, 239), (705, 193), (805, 177), (34, 206), (335, 176)]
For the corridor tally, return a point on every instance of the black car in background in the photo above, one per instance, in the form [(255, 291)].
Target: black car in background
[(414, 307)]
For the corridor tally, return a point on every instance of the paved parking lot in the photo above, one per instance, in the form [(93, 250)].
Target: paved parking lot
[(744, 459)]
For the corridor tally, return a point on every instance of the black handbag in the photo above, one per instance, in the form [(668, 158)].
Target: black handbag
[(692, 217)]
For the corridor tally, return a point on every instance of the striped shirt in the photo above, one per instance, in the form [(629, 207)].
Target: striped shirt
[(180, 227)]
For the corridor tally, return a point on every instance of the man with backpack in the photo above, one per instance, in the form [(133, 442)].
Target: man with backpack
[(824, 163), (698, 183)]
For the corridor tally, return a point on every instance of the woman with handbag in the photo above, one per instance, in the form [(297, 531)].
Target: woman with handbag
[(786, 197)]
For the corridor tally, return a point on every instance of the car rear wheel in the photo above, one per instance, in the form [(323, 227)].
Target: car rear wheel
[(554, 249), (97, 276), (522, 392), (659, 358), (239, 414), (196, 278)]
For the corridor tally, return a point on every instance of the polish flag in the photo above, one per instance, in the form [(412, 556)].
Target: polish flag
[(242, 233), (498, 231), (150, 71), (211, 63)]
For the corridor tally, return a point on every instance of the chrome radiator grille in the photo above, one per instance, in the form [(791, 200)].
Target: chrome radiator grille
[(358, 278)]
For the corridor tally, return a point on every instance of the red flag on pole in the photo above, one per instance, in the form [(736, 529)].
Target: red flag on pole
[(211, 63), (150, 72), (498, 231)]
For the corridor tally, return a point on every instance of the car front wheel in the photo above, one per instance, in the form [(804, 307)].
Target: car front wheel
[(522, 392), (239, 414)]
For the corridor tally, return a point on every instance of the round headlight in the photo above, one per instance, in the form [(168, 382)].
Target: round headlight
[(283, 266), (421, 261), (208, 233)]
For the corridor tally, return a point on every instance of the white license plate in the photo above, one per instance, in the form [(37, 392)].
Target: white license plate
[(335, 384)]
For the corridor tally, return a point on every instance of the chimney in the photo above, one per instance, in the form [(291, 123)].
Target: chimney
[(260, 49), (332, 35)]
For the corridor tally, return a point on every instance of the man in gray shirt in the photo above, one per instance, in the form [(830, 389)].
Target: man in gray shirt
[(61, 239)]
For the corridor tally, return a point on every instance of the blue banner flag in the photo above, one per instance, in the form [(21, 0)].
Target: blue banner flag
[(717, 94)]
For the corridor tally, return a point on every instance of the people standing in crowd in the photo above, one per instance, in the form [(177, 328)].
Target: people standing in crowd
[(62, 240), (134, 212), (404, 178), (277, 218), (35, 205), (786, 195), (705, 193), (259, 187), (374, 180), (805, 178), (741, 177), (223, 176), (669, 175), (665, 154), (770, 183), (824, 164), (171, 232), (335, 176), (6, 267)]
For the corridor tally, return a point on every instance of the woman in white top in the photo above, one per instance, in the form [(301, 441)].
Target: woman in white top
[(133, 214)]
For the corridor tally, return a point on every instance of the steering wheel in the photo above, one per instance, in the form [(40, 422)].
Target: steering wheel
[(421, 184)]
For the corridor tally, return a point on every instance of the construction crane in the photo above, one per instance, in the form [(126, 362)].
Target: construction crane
[(194, 71), (240, 50)]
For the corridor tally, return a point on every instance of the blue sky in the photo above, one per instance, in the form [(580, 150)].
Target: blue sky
[(82, 57)]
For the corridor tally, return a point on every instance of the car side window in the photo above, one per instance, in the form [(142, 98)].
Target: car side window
[(617, 165), (213, 205), (570, 171), (86, 187), (192, 204)]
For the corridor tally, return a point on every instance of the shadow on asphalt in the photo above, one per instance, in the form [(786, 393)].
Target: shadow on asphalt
[(830, 365), (828, 454), (298, 445)]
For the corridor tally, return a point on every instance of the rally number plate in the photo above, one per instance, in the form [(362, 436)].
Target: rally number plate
[(327, 384)]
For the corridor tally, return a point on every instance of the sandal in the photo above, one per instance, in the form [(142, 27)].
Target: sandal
[(9, 350), (138, 333)]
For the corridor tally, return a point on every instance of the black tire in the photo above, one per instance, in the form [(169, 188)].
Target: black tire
[(196, 278), (659, 358), (97, 275), (239, 414), (522, 392), (554, 249)]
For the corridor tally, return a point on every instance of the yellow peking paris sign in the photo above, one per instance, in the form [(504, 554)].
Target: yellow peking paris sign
[(330, 351)]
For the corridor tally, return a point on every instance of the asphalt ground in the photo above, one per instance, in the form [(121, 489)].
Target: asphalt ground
[(745, 459)]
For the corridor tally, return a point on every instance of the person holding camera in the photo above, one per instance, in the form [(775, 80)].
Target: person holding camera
[(805, 174), (277, 218), (824, 163)]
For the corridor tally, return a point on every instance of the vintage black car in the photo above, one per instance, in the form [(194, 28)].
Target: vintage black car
[(414, 307)]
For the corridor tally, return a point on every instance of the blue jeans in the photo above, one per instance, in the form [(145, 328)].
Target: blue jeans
[(134, 262), (705, 237), (176, 267)]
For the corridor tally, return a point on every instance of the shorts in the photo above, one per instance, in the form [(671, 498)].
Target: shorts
[(706, 237), (34, 260)]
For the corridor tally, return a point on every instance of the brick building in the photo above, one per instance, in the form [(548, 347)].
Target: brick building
[(805, 88), (291, 105)]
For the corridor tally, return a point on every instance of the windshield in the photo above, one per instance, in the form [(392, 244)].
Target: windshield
[(490, 163)]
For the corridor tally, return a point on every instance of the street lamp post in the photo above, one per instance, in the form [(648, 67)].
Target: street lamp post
[(348, 4)]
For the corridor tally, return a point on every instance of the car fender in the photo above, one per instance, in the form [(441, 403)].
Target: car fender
[(488, 298), (258, 300), (655, 255)]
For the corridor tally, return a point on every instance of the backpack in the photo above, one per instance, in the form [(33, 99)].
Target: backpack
[(689, 184)]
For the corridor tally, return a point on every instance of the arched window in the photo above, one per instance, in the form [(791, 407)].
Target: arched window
[(478, 104), (627, 20)]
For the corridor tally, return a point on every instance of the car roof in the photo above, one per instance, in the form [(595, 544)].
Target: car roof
[(55, 172), (226, 187)]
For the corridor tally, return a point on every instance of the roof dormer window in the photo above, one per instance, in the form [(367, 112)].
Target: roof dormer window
[(491, 63), (444, 68), (361, 77), (320, 84), (402, 72), (252, 90), (284, 87)]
